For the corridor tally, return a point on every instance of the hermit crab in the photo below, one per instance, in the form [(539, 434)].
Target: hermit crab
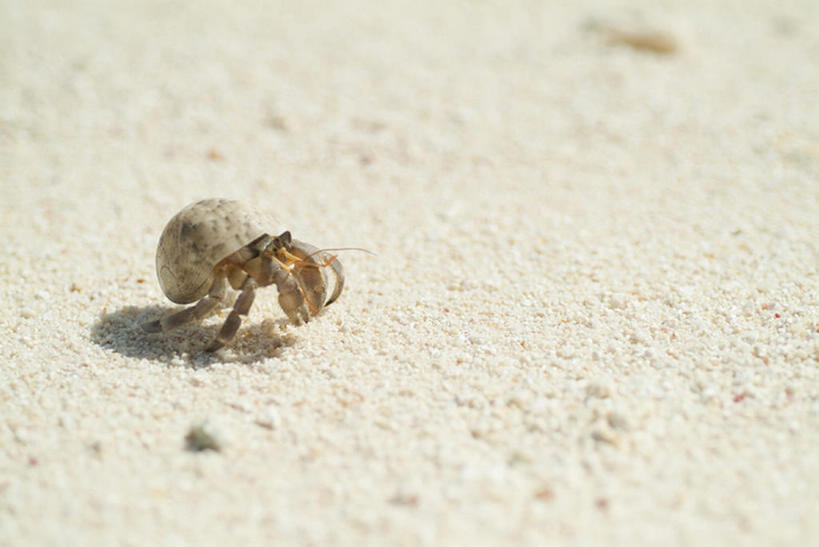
[(215, 242)]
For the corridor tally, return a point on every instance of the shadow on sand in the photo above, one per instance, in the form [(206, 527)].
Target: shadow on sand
[(121, 332)]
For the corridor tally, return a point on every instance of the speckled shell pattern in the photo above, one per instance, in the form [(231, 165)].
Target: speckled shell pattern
[(196, 239)]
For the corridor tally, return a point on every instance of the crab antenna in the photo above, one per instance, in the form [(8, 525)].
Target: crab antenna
[(334, 249)]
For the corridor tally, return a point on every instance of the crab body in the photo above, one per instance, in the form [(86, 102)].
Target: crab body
[(215, 242)]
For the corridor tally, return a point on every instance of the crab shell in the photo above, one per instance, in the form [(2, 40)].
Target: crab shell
[(197, 238)]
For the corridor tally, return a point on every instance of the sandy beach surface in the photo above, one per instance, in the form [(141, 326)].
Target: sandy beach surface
[(591, 315)]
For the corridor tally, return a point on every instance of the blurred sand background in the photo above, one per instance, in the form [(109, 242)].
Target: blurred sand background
[(591, 318)]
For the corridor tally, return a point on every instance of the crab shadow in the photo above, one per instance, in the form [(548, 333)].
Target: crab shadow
[(121, 331)]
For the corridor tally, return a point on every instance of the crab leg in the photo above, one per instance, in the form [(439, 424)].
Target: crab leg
[(233, 321), (192, 313)]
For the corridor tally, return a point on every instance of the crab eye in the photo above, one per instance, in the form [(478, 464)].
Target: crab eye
[(284, 240)]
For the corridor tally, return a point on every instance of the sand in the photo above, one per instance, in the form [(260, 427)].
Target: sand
[(590, 317)]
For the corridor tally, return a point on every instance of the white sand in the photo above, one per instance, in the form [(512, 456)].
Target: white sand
[(592, 316)]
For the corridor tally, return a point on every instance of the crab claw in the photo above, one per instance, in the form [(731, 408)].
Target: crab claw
[(311, 274), (293, 305)]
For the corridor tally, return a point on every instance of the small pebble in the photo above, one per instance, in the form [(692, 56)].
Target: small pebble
[(270, 418), (201, 438)]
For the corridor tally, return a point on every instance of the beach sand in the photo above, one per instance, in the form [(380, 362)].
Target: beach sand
[(590, 317)]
